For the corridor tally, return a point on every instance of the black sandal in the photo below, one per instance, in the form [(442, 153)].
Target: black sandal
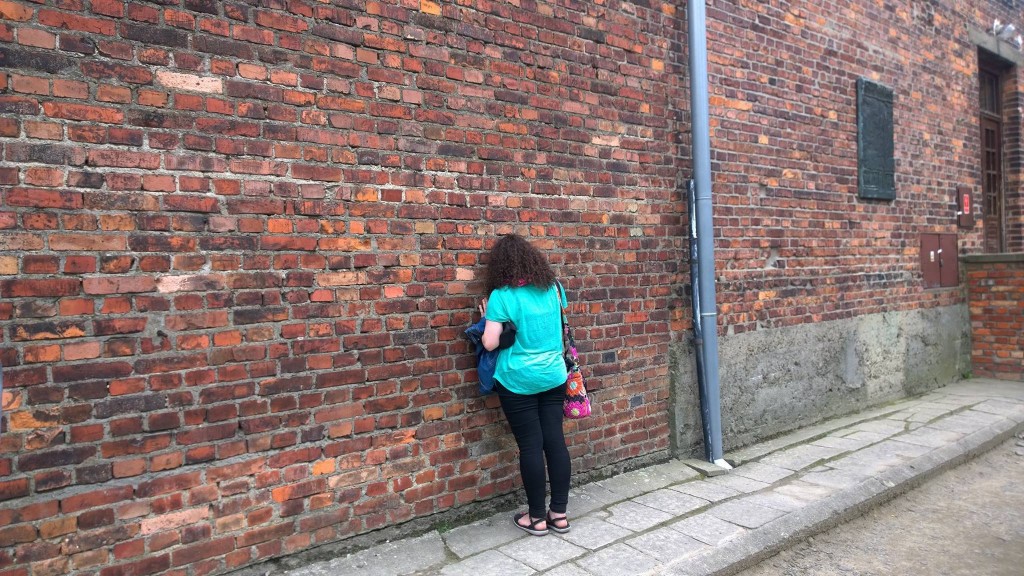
[(530, 528), (556, 527)]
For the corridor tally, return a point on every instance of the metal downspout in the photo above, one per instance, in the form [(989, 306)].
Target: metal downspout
[(710, 403)]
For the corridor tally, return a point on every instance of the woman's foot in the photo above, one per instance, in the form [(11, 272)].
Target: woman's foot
[(558, 522), (530, 525)]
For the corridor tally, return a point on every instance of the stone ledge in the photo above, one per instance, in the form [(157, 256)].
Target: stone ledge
[(1003, 257)]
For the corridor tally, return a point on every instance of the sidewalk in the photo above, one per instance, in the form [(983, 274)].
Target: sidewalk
[(670, 519)]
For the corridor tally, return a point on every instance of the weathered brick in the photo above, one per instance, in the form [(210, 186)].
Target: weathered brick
[(129, 405), (58, 154), (106, 70), (19, 58), (85, 541), (90, 371), (199, 551), (42, 198), (119, 285), (149, 565), (83, 112), (38, 288), (150, 443), (48, 330), (16, 488), (55, 458)]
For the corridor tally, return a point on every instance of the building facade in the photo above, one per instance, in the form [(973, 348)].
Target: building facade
[(241, 242)]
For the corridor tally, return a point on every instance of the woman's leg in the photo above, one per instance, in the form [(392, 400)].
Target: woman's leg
[(523, 417), (555, 451)]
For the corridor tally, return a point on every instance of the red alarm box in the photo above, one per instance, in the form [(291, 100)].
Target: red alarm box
[(964, 207)]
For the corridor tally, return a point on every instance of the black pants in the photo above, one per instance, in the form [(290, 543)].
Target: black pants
[(536, 421)]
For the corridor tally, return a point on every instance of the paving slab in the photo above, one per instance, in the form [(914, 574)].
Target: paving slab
[(464, 541), (867, 465), (762, 472), (569, 569), (586, 499), (671, 501), (966, 422), (804, 490), (390, 559), (848, 444), (542, 553), (739, 483), (800, 457), (923, 414), (930, 437), (489, 563), (833, 478), (861, 436), (745, 513), (776, 500), (618, 560), (593, 532), (635, 483), (707, 490), (667, 545), (707, 528), (636, 517), (673, 472), (1000, 407)]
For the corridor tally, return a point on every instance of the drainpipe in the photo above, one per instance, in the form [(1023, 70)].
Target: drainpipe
[(706, 326)]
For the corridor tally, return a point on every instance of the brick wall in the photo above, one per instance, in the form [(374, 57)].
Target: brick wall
[(797, 244), (240, 242), (995, 290), (241, 245)]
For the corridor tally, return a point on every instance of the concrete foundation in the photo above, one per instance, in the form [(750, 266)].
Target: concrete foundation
[(773, 381)]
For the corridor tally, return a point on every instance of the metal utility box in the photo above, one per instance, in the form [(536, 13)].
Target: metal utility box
[(940, 265), (964, 207)]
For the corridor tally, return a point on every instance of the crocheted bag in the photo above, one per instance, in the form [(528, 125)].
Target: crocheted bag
[(577, 403)]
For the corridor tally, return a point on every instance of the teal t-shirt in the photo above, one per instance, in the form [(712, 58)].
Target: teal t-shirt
[(534, 363)]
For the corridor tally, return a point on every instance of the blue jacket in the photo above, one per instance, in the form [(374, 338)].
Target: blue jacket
[(487, 360)]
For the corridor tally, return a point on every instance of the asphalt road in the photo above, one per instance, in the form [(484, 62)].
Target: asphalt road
[(968, 521)]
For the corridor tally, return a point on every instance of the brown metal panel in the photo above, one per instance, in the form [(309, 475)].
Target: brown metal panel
[(930, 260), (949, 261)]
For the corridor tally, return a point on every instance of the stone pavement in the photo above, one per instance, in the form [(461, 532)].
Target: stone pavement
[(670, 519)]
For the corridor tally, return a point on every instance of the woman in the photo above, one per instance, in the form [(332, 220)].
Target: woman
[(530, 375)]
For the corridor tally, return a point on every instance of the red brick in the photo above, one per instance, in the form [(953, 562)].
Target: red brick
[(13, 488), (95, 498), (15, 11), (210, 548), (119, 285), (73, 22), (37, 288), (129, 447), (83, 112), (41, 198)]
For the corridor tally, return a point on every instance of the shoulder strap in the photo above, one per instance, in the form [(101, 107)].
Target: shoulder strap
[(565, 323)]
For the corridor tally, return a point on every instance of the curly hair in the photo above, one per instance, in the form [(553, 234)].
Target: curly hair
[(515, 262)]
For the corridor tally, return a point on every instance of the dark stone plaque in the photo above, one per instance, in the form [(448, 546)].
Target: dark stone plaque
[(876, 163)]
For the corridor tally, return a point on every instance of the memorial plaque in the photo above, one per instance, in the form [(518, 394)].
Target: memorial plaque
[(876, 163)]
